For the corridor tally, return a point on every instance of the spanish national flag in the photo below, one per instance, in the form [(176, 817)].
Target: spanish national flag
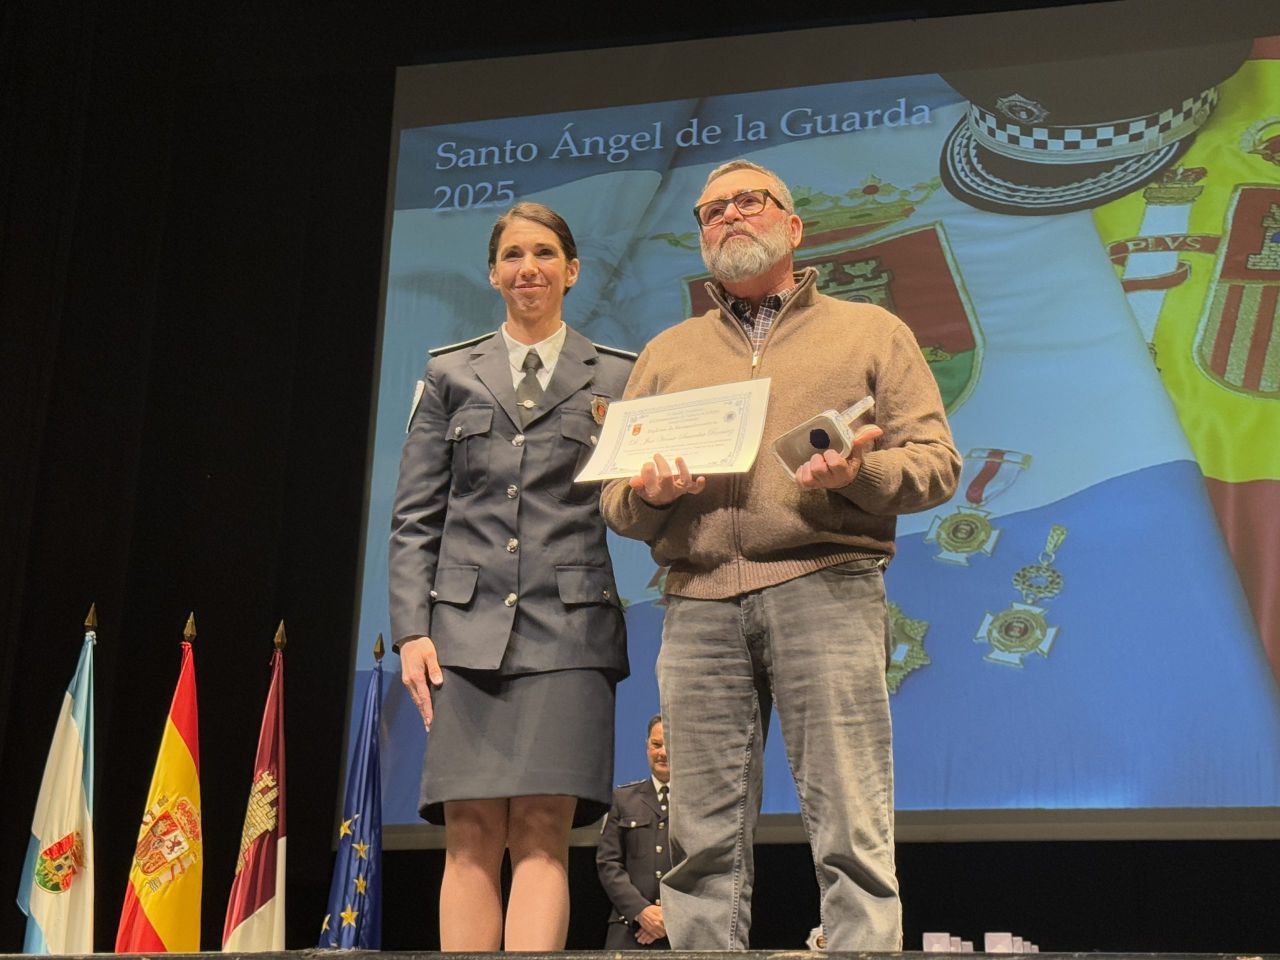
[(162, 905)]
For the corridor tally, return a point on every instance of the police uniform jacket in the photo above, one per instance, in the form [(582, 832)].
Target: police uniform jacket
[(496, 554), (633, 856)]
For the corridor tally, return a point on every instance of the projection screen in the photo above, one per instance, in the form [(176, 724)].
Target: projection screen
[(1077, 211)]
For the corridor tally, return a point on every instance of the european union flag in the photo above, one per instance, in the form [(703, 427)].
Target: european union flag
[(354, 919)]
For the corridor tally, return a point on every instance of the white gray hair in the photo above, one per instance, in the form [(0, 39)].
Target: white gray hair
[(782, 194)]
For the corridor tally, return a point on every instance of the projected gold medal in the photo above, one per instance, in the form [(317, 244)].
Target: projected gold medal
[(1022, 629)]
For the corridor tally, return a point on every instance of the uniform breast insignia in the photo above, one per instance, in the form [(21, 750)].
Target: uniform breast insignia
[(969, 530), (599, 407), (1022, 629), (907, 651)]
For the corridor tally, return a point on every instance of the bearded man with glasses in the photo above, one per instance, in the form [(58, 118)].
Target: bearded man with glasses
[(775, 594)]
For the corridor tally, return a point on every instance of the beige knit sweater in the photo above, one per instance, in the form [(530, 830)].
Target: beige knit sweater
[(754, 530)]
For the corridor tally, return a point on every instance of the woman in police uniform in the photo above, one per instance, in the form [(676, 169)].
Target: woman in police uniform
[(503, 604)]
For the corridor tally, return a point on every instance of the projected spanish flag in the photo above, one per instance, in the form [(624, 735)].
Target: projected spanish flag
[(162, 905)]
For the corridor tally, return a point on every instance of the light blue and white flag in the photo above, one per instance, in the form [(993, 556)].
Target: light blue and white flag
[(56, 892)]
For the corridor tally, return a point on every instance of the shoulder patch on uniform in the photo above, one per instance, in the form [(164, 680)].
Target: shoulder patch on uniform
[(417, 399), (437, 351), (615, 351)]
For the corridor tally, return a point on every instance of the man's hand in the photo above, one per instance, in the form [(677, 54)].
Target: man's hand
[(652, 928), (830, 471), (657, 486), (419, 672)]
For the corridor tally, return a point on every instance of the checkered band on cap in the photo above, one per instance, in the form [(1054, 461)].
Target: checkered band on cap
[(967, 175), (1095, 143)]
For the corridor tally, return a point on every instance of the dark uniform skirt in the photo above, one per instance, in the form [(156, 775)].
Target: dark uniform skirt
[(535, 734)]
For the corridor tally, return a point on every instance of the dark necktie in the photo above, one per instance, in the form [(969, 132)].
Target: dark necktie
[(529, 390), (662, 796)]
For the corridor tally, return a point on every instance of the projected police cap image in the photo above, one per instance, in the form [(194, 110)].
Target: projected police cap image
[(1056, 137)]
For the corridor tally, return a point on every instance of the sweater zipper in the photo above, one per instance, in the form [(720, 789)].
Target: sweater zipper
[(733, 484)]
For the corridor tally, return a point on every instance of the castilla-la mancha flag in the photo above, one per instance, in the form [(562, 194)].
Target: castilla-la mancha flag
[(162, 905), (255, 910)]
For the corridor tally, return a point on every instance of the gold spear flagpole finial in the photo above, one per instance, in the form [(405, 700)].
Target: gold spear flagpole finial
[(91, 618), (378, 649), (280, 639), (189, 631)]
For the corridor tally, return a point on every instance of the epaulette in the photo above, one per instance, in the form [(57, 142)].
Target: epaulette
[(437, 351), (632, 783), (615, 351)]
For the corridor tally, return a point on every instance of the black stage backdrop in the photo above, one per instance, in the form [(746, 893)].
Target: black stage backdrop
[(191, 222)]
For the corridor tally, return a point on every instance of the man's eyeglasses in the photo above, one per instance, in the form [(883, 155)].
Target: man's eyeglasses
[(749, 204)]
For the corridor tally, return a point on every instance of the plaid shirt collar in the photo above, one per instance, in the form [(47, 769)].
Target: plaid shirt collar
[(757, 326)]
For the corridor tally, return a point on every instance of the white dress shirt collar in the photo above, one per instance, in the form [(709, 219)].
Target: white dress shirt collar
[(548, 351)]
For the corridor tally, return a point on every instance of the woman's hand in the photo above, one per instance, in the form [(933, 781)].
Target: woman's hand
[(419, 672)]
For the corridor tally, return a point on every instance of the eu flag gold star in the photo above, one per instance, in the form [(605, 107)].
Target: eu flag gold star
[(349, 916), (361, 884), (324, 927), (361, 850), (345, 829)]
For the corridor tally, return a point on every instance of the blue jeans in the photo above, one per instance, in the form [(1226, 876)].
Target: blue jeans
[(816, 649)]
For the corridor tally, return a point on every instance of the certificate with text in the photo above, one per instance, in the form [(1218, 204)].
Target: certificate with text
[(714, 429)]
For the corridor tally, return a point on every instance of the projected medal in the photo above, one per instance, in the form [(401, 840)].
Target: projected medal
[(1022, 629)]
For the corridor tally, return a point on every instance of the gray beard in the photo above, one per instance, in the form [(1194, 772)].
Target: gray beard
[(741, 261)]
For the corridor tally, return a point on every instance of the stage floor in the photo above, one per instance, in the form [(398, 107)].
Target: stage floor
[(313, 954)]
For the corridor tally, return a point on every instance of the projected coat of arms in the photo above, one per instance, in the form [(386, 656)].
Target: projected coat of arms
[(1239, 332)]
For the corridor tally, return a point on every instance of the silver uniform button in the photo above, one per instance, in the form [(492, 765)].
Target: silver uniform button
[(512, 491), (513, 545), (633, 823), (662, 826), (593, 441), (510, 601), (434, 595), (457, 431), (658, 848), (607, 594), (658, 874), (518, 440)]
